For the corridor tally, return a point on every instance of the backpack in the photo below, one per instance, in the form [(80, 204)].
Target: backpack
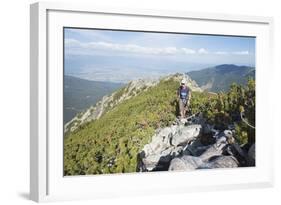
[(183, 92)]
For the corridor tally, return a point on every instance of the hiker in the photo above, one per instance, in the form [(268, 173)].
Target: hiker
[(184, 95)]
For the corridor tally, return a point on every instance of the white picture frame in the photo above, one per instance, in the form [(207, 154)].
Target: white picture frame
[(47, 182)]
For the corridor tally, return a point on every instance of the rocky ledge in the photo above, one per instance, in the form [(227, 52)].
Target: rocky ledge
[(194, 144)]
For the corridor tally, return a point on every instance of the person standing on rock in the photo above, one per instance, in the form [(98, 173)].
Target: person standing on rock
[(184, 95)]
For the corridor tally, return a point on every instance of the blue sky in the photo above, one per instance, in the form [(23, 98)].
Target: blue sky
[(121, 56)]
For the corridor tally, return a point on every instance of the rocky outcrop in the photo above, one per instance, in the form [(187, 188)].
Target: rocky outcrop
[(132, 89), (212, 157), (165, 145), (188, 146)]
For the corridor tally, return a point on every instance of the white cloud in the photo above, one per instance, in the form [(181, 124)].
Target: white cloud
[(221, 52), (202, 51), (188, 51), (128, 48), (79, 48), (241, 53)]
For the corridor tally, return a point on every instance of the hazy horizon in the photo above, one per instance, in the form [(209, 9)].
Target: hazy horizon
[(92, 79)]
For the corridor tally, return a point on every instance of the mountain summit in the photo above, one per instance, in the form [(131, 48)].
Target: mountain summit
[(219, 78)]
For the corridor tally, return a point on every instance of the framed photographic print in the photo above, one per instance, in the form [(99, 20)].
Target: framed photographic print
[(127, 102)]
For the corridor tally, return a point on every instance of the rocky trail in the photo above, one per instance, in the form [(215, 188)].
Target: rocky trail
[(191, 144)]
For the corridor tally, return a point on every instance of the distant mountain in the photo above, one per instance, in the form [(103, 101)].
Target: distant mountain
[(220, 77), (80, 94)]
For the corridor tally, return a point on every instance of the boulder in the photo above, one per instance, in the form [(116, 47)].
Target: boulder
[(235, 150), (180, 148), (166, 144), (214, 150), (220, 162), (196, 148), (185, 163), (186, 134)]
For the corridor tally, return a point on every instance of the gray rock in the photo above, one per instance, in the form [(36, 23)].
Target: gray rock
[(185, 163), (186, 134), (252, 155), (195, 148), (221, 162), (228, 133), (214, 150), (165, 145), (208, 129), (179, 148), (188, 163)]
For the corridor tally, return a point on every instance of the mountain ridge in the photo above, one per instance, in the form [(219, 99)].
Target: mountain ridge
[(79, 94), (126, 92), (220, 77)]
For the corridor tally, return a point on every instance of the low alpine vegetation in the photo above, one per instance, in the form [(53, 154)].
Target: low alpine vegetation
[(111, 143)]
